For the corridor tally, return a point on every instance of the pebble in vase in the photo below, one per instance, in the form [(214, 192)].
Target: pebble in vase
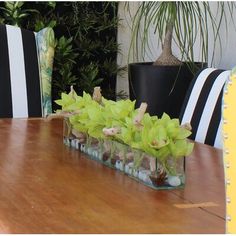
[(95, 154), (73, 143), (117, 165), (82, 148), (126, 169), (144, 176), (130, 168), (67, 141), (70, 141), (135, 173), (174, 181), (77, 144), (100, 155), (89, 151), (140, 174), (121, 166)]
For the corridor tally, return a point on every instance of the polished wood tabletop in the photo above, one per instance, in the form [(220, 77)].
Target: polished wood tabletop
[(46, 187)]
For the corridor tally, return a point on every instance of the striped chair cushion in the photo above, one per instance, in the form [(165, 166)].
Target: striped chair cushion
[(21, 77), (202, 106)]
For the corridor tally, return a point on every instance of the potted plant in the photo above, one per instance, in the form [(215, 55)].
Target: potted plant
[(146, 148), (163, 83)]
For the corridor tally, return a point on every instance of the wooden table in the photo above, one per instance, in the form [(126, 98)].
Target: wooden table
[(46, 187)]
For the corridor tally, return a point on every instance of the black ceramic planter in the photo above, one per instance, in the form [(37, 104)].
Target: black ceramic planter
[(162, 87)]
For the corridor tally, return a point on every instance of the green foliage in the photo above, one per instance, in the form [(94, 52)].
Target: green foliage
[(160, 138), (65, 60), (14, 14), (66, 102), (40, 24), (86, 51), (89, 77), (165, 137), (190, 20), (117, 112)]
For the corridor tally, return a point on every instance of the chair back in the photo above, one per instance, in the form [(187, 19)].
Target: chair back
[(22, 72), (202, 106)]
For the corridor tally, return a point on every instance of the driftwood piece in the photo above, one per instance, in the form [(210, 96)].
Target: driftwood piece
[(61, 115), (141, 111), (97, 96), (78, 134), (64, 114), (187, 126), (111, 131), (72, 92), (152, 163)]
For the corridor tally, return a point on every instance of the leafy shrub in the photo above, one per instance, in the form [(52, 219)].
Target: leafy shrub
[(86, 48)]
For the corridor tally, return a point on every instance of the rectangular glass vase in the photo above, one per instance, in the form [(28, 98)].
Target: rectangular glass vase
[(138, 165)]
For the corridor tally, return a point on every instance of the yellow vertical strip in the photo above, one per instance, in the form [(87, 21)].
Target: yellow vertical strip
[(229, 134)]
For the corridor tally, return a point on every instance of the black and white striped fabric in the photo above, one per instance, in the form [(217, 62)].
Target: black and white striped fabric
[(20, 94), (202, 106)]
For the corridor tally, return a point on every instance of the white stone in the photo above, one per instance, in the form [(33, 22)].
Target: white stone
[(68, 142), (121, 166), (144, 175), (130, 171), (135, 173), (117, 165), (147, 180), (82, 148), (77, 143), (174, 181), (127, 169), (95, 153), (89, 151), (140, 175), (73, 144), (131, 165), (100, 155)]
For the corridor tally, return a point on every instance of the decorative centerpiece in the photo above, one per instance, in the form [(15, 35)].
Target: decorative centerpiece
[(146, 148)]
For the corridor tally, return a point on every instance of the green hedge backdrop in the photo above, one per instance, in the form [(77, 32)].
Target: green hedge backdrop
[(86, 46)]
